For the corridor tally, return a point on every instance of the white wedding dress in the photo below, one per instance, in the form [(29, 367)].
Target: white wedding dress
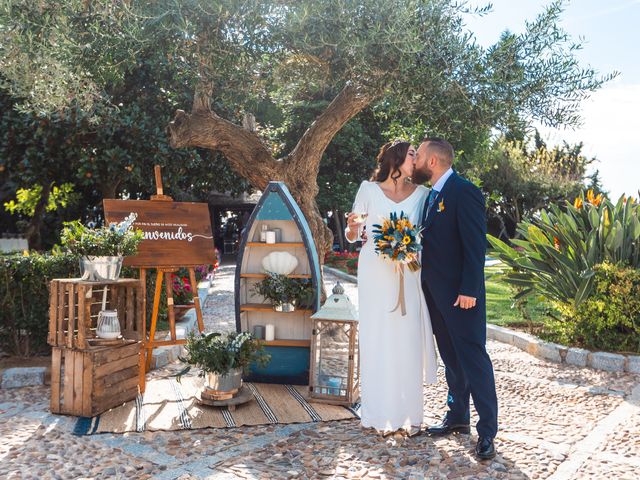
[(397, 353)]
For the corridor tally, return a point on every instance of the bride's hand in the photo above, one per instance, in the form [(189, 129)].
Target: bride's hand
[(352, 222)]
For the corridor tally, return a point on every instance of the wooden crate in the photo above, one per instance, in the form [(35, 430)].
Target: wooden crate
[(74, 305), (88, 382)]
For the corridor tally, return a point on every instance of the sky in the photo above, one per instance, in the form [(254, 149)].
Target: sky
[(611, 117)]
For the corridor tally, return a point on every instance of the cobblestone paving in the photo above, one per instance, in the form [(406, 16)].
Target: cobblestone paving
[(557, 422)]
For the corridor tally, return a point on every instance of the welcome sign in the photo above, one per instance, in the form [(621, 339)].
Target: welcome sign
[(174, 233)]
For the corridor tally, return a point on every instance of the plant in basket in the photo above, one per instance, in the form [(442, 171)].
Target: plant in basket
[(222, 358), (101, 250), (285, 293)]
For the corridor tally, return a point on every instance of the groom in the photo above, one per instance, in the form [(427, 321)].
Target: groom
[(454, 243)]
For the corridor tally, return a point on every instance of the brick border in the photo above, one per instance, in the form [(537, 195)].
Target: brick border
[(610, 362)]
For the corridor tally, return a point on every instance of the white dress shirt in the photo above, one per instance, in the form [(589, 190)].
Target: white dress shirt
[(442, 180)]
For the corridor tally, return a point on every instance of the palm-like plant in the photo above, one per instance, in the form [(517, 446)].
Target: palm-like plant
[(558, 250)]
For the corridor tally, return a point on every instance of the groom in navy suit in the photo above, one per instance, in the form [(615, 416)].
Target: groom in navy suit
[(454, 244)]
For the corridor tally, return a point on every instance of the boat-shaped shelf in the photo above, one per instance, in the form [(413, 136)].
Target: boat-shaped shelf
[(290, 350)]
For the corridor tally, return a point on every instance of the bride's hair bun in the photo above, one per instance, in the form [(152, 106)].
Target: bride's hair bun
[(390, 157)]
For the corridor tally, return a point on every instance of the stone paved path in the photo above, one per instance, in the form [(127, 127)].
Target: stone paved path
[(557, 422)]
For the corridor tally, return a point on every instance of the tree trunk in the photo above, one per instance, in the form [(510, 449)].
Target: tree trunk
[(251, 159), (33, 230), (110, 189)]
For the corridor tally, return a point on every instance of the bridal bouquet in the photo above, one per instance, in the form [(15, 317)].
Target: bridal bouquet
[(398, 240)]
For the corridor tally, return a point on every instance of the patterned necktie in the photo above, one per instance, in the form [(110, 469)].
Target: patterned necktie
[(431, 199)]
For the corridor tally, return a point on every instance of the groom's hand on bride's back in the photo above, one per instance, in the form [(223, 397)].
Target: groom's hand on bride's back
[(465, 302)]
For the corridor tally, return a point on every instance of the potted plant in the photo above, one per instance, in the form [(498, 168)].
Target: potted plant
[(182, 295), (285, 293), (101, 250), (223, 358)]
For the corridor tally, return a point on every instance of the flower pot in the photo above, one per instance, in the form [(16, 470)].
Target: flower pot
[(224, 386), (100, 269), (179, 311), (284, 307)]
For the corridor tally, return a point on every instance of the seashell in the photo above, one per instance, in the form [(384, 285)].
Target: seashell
[(280, 262)]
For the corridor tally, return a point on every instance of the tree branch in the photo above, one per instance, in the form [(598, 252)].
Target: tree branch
[(305, 157), (244, 150)]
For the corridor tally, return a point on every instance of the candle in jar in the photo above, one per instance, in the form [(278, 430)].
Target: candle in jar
[(270, 332), (271, 236), (258, 332)]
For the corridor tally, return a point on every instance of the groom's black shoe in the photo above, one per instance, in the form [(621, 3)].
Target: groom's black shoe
[(447, 427), (485, 449)]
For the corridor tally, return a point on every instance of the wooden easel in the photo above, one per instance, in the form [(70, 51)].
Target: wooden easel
[(165, 272)]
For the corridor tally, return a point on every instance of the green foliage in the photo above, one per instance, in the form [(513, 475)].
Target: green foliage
[(113, 240), (559, 250), (521, 180), (218, 353), (27, 198), (610, 318), (90, 86), (281, 289), (24, 299)]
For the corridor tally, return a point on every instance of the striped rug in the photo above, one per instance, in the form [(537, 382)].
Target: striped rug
[(169, 405)]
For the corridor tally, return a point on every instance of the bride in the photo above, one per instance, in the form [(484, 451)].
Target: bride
[(397, 352)]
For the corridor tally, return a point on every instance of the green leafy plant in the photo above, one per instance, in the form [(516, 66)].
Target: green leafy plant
[(24, 299), (558, 250), (220, 353), (27, 199), (609, 319), (113, 240), (280, 289)]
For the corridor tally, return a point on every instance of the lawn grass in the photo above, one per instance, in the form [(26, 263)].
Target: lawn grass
[(500, 308)]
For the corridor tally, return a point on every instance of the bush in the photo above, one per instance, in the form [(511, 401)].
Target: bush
[(341, 260), (559, 249), (610, 318), (352, 266), (24, 299)]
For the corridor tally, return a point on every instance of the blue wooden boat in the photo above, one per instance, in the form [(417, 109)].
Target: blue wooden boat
[(290, 350)]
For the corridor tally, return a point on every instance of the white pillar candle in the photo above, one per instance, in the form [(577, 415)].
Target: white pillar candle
[(270, 332), (271, 236)]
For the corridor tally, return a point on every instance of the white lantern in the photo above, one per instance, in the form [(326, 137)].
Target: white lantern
[(335, 368)]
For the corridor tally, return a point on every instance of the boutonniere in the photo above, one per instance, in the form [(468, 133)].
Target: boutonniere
[(441, 206)]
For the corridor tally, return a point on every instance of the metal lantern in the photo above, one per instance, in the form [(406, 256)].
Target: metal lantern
[(335, 368)]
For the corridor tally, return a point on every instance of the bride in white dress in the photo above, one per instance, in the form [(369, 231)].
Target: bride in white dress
[(397, 353)]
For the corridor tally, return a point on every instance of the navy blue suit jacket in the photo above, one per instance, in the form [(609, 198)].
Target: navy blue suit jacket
[(454, 244)]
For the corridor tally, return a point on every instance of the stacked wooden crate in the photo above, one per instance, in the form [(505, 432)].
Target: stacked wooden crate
[(90, 375)]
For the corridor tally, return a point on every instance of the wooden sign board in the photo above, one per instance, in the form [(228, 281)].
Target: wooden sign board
[(175, 233)]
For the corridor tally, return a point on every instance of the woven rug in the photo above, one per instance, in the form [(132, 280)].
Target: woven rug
[(169, 405)]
